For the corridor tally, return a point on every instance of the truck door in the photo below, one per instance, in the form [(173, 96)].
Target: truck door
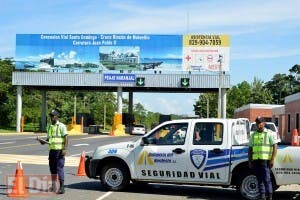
[(163, 153), (209, 155)]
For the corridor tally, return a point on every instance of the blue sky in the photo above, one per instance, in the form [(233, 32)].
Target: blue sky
[(264, 35)]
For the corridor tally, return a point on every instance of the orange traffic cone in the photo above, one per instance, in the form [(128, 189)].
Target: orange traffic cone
[(81, 167), (295, 139), (18, 188)]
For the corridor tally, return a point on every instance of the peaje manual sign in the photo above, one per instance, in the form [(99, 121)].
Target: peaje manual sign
[(119, 78)]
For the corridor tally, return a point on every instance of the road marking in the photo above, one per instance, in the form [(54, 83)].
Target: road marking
[(7, 142), (93, 137), (74, 155), (35, 159), (14, 147), (105, 195), (14, 139), (78, 145)]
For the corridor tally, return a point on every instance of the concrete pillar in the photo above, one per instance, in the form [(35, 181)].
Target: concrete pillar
[(19, 108), (130, 102), (130, 109), (44, 109), (119, 100)]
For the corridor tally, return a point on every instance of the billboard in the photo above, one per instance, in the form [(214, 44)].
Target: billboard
[(121, 52)]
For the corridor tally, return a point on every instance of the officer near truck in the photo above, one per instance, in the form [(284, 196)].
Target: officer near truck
[(57, 138), (261, 155)]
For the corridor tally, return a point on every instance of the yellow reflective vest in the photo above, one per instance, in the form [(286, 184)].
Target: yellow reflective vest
[(262, 145), (56, 136)]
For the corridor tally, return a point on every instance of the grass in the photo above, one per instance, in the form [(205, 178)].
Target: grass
[(3, 130), (30, 127)]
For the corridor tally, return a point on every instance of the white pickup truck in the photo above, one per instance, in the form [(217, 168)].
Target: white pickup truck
[(190, 151)]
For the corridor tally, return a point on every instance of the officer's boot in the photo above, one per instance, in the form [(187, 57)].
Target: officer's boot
[(270, 197), (53, 188), (61, 188)]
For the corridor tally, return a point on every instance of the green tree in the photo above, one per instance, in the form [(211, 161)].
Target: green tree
[(238, 96), (7, 93), (259, 93), (31, 105), (282, 85), (140, 113), (295, 79), (295, 70), (279, 87), (200, 107), (151, 119)]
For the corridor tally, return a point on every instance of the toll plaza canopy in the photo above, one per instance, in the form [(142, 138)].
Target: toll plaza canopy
[(158, 82)]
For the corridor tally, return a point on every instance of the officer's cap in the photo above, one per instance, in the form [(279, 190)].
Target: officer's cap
[(259, 119), (54, 113)]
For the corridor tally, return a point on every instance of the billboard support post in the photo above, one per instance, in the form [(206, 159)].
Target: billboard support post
[(220, 87)]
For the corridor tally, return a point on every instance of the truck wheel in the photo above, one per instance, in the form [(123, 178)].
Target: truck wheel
[(114, 176), (87, 166), (248, 186)]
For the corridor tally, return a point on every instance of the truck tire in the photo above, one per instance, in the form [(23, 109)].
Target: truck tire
[(114, 177), (248, 186), (87, 166)]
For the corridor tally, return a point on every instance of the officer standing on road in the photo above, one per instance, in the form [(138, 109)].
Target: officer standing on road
[(58, 142), (262, 152)]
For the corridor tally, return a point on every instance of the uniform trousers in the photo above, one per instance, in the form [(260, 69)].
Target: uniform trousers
[(57, 163), (262, 172)]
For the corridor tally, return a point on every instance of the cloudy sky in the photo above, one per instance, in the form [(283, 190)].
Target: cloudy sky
[(264, 35)]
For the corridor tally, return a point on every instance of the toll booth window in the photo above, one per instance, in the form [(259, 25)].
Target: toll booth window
[(208, 134), (170, 134)]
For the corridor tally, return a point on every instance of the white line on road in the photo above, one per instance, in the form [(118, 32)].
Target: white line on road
[(77, 145), (74, 155), (7, 142), (105, 195)]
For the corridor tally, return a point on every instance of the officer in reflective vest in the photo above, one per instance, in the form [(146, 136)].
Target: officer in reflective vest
[(58, 142), (262, 152)]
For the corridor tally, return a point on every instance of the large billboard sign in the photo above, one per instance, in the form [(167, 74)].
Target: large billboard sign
[(121, 52)]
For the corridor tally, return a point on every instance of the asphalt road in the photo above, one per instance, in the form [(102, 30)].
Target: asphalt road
[(25, 148)]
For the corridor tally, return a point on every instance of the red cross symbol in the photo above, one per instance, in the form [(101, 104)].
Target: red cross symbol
[(188, 58)]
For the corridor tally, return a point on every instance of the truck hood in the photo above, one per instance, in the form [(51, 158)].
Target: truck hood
[(115, 149)]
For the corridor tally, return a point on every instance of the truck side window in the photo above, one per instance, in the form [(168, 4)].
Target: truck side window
[(170, 134), (208, 133)]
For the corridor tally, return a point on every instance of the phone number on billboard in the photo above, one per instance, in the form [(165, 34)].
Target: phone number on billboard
[(205, 42)]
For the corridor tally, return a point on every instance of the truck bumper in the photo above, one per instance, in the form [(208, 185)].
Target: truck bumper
[(91, 167)]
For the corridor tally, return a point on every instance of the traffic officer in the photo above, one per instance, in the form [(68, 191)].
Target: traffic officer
[(58, 141), (261, 155)]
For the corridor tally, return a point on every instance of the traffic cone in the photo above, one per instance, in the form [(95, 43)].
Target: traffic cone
[(81, 167), (295, 139), (18, 188)]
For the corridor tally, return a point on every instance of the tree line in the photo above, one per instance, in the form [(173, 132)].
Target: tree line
[(101, 106), (257, 92)]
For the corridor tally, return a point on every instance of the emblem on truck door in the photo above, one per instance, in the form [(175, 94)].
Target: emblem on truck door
[(198, 157)]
